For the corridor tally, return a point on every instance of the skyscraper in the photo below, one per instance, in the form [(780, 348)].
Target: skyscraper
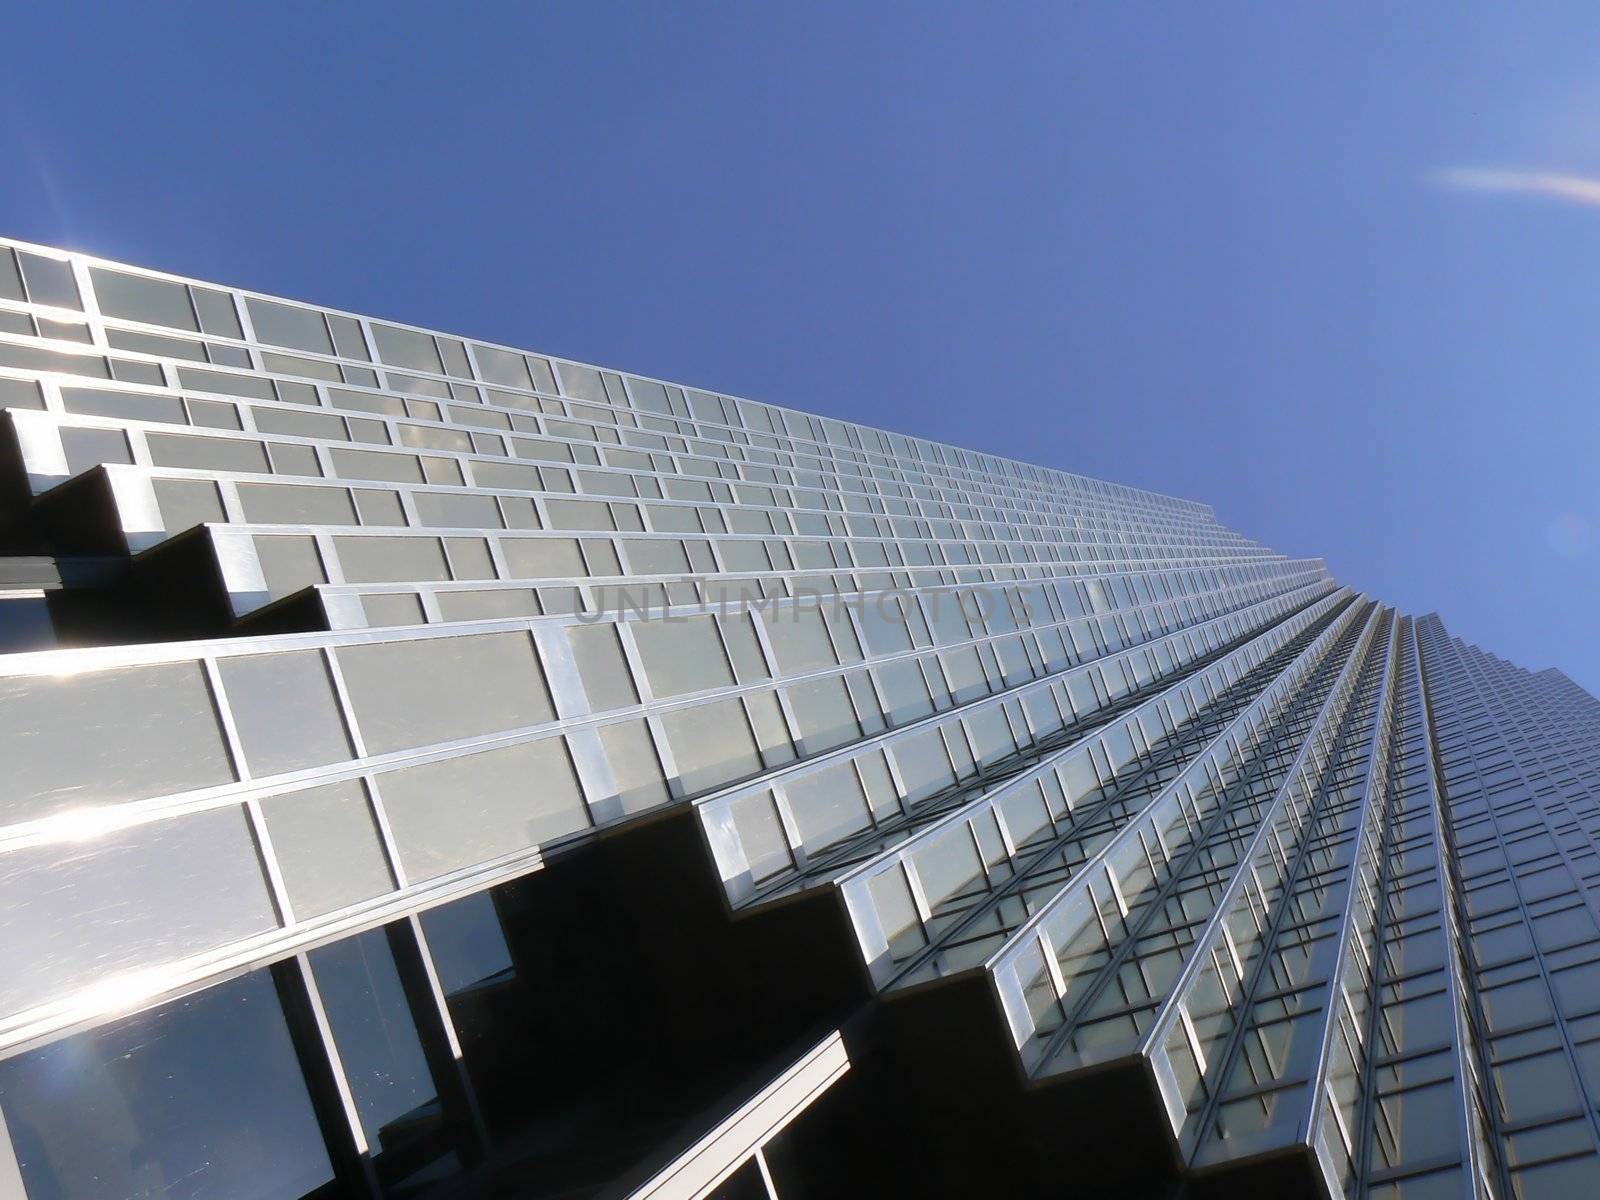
[(430, 768)]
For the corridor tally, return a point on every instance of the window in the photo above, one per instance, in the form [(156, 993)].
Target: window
[(381, 1051), (965, 672), (218, 316), (79, 913), (606, 679), (347, 342), (583, 383), (285, 711), (712, 744), (502, 367), (49, 280), (458, 812), (187, 502), (897, 913), (285, 504), (739, 635), (202, 1097), (822, 708), (799, 639), (289, 325), (544, 558), (289, 564), (635, 770), (406, 348), (660, 556), (427, 690), (923, 763), (115, 735), (905, 691), (681, 655), (827, 805), (390, 559), (207, 453), (949, 866), (327, 847), (755, 820), (141, 298)]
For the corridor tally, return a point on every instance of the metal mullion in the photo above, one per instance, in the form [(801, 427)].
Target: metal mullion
[(430, 1012), (988, 800), (1244, 874), (267, 857), (1209, 877), (1374, 798), (1470, 1059), (1084, 873), (308, 1020)]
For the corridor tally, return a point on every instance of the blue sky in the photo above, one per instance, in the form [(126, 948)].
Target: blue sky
[(1311, 264)]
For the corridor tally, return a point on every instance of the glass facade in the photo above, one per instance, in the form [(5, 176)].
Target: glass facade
[(442, 769)]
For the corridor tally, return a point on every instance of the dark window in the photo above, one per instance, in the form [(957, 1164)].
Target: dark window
[(199, 1098), (376, 1035)]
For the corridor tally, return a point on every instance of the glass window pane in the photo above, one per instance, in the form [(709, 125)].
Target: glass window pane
[(924, 764), (486, 605), (681, 655), (662, 556), (347, 339), (217, 313), (107, 735), (905, 691), (137, 406), (455, 358), (188, 502), (381, 1052), (250, 386), (827, 805), (87, 448), (799, 639), (712, 744), (79, 912), (467, 943), (439, 689), (77, 331), (283, 504), (635, 770), (10, 277), (502, 367), (140, 298), (582, 382), (461, 811), (606, 678), (740, 637), (289, 325), (206, 453), (823, 710), (391, 559), (289, 564), (398, 608), (544, 379), (284, 708), (20, 393), (772, 731), (199, 1098), (766, 849), (544, 558), (32, 358), (327, 847), (883, 624), (406, 348), (50, 280)]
